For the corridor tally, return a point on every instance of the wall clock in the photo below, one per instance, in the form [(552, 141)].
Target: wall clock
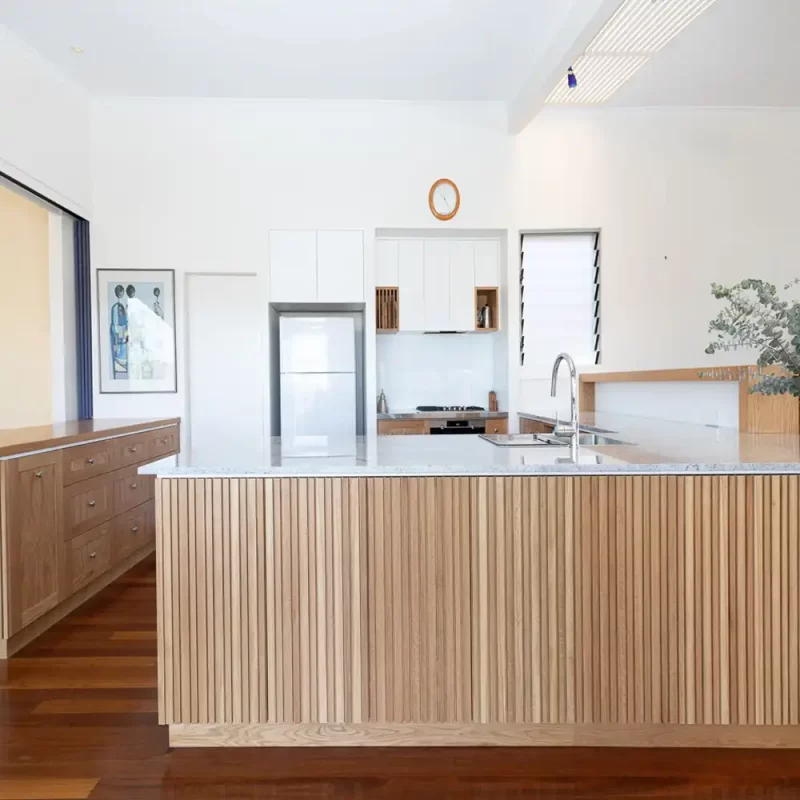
[(444, 199)]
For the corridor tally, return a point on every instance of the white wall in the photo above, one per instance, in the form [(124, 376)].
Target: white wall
[(44, 126), (441, 370), (196, 185), (683, 198)]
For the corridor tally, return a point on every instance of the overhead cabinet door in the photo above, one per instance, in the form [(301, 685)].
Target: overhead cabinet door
[(462, 286), (411, 280), (437, 285), (340, 266), (293, 266)]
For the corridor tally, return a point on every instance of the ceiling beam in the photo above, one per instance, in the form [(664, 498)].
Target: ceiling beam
[(581, 25)]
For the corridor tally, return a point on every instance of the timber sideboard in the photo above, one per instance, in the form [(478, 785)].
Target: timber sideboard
[(74, 515)]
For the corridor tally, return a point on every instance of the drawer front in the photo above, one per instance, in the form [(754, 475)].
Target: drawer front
[(87, 461), (131, 449), (87, 504), (496, 426), (413, 427), (131, 489), (163, 442), (89, 556), (133, 530)]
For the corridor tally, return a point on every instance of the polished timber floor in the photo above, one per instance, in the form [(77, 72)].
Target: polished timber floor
[(78, 719)]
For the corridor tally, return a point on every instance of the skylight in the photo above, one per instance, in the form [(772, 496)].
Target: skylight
[(638, 30)]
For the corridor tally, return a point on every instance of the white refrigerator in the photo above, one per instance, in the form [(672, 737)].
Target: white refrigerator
[(318, 384)]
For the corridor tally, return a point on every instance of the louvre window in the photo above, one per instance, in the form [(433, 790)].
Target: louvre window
[(560, 298)]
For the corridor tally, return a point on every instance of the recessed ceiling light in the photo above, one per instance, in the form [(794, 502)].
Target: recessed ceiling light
[(638, 30), (77, 50)]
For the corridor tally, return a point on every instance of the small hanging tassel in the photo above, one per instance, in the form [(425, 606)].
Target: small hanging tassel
[(572, 81)]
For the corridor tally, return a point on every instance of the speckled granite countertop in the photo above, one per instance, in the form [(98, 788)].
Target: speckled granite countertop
[(651, 447)]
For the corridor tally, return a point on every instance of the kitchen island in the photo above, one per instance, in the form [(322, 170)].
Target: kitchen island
[(444, 591)]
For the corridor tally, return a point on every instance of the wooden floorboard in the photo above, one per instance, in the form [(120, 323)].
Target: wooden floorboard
[(78, 719)]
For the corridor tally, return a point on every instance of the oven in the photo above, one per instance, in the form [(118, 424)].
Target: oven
[(449, 427)]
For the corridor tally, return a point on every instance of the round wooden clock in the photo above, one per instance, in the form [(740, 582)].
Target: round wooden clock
[(444, 199)]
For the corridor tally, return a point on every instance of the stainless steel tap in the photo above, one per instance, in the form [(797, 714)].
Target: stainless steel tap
[(572, 428)]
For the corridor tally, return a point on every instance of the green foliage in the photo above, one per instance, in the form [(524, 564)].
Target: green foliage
[(756, 317)]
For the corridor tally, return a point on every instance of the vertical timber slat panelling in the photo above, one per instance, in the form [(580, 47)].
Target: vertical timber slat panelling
[(589, 601), (420, 666)]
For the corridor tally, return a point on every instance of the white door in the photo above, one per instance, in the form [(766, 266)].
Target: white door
[(437, 285), (487, 263), (226, 366), (411, 282), (462, 286), (340, 266), (292, 266)]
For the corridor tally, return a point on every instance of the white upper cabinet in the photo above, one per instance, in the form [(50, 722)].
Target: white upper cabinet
[(293, 266), (437, 285), (316, 266), (340, 266), (487, 263), (386, 262), (462, 286), (411, 282)]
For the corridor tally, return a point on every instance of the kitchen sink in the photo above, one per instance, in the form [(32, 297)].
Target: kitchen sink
[(547, 440)]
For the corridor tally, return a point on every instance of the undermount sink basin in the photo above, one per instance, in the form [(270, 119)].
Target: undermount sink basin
[(547, 440)]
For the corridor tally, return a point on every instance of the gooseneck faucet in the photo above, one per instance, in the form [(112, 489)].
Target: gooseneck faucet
[(572, 428)]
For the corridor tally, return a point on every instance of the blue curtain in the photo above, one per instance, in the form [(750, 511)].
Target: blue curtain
[(83, 319)]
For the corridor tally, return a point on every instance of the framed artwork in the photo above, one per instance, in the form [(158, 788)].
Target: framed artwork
[(136, 329)]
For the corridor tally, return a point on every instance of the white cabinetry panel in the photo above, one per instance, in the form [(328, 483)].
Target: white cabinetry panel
[(292, 266), (410, 280), (437, 285), (487, 263), (462, 286), (340, 267), (386, 273)]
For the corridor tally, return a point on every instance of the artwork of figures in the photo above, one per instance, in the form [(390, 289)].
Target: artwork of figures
[(136, 330)]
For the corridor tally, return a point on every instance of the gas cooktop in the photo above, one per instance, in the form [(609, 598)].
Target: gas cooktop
[(450, 408)]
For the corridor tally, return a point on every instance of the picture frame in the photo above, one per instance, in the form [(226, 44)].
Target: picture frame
[(137, 348)]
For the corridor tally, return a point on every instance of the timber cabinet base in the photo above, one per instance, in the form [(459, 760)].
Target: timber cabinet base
[(377, 734), (632, 610)]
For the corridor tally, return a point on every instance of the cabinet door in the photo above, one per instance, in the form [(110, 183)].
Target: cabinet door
[(487, 263), (411, 268), (292, 266), (419, 600), (386, 262), (340, 266), (34, 537), (437, 286), (462, 286)]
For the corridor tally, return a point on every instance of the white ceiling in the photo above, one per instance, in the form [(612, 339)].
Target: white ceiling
[(424, 50), (737, 53)]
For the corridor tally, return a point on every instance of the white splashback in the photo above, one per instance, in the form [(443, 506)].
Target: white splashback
[(441, 369), (698, 402)]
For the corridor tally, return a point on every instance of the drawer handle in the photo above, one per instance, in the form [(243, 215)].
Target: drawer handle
[(164, 441), (90, 461), (38, 473), (135, 529), (134, 485), (92, 555), (92, 503)]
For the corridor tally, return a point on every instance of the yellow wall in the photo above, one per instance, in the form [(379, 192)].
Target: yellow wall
[(25, 369)]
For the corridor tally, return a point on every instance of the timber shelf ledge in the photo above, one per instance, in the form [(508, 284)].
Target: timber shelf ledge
[(654, 610)]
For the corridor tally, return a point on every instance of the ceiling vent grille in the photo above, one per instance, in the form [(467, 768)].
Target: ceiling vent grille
[(639, 29)]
